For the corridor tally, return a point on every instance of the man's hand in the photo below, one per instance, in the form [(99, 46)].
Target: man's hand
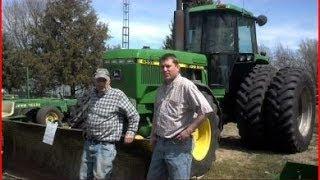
[(128, 138), (184, 135)]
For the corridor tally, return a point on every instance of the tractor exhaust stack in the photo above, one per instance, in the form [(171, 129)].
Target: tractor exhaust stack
[(179, 27)]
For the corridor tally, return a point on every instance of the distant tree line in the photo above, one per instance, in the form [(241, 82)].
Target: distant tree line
[(305, 56), (58, 42)]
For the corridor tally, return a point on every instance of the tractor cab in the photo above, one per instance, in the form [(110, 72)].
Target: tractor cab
[(226, 34)]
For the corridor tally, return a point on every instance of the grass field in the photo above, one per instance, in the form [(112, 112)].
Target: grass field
[(235, 161)]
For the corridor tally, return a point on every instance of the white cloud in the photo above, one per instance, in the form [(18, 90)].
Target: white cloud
[(287, 34), (151, 34)]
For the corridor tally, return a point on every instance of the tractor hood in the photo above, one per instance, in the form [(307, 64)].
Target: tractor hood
[(154, 55)]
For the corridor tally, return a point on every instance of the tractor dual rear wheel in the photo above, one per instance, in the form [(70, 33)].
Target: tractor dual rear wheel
[(249, 105), (205, 140), (290, 110)]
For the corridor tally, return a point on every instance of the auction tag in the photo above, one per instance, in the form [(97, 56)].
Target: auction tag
[(48, 136)]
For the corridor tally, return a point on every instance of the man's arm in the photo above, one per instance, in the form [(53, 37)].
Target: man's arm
[(197, 101), (133, 118), (191, 128)]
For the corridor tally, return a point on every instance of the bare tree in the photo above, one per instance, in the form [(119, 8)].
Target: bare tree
[(285, 57), (19, 16), (308, 54)]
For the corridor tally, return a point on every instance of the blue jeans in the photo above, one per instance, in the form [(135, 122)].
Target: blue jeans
[(171, 159), (97, 160)]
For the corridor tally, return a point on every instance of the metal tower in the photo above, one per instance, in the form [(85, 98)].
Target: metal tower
[(125, 28)]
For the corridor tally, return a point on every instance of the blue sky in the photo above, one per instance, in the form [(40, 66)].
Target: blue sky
[(289, 21)]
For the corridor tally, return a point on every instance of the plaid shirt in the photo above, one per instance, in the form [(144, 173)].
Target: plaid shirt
[(176, 105), (105, 116)]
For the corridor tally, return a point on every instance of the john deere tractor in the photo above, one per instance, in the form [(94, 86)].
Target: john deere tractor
[(273, 108)]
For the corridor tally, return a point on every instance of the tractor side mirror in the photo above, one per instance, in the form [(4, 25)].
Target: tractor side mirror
[(261, 20)]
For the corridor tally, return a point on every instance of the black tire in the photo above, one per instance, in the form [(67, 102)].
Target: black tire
[(49, 114), (249, 105), (291, 94), (201, 165)]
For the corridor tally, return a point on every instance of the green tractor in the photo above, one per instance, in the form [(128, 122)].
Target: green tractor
[(273, 109)]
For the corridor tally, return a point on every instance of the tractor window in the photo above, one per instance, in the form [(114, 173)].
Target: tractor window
[(219, 33), (219, 68), (194, 34), (192, 74), (245, 33)]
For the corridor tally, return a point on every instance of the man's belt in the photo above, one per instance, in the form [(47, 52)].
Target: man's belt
[(94, 141)]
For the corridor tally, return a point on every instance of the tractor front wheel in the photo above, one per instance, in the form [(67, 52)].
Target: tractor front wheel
[(49, 114), (205, 140)]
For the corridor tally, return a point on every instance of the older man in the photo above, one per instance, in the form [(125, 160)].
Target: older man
[(178, 99), (103, 124)]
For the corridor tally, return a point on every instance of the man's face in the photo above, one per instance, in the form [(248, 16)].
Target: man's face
[(101, 84), (169, 69)]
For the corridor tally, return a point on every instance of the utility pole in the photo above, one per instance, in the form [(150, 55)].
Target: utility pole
[(125, 28)]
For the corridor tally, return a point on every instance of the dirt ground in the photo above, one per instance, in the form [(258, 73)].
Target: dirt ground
[(235, 161)]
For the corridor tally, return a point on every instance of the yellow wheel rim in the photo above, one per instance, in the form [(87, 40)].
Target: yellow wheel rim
[(52, 117), (202, 140)]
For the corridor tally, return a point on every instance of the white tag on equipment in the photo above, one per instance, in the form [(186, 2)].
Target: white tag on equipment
[(48, 136)]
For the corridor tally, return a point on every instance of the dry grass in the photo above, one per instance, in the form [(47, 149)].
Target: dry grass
[(236, 162)]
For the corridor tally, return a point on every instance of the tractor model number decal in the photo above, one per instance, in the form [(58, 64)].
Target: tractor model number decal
[(28, 105), (148, 62)]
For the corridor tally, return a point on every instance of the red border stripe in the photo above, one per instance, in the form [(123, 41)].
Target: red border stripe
[(1, 60), (318, 87)]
